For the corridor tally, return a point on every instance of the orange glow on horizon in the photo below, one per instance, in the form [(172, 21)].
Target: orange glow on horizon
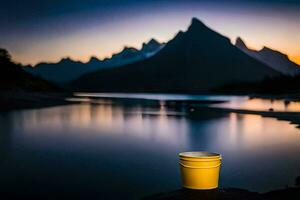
[(295, 58), (81, 45), (290, 50), (109, 52)]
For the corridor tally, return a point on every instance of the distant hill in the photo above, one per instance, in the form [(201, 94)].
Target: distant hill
[(14, 78), (197, 60), (272, 58), (67, 69), (19, 89)]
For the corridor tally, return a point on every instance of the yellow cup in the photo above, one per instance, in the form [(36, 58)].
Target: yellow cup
[(200, 170)]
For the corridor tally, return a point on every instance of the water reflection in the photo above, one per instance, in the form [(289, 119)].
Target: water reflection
[(235, 102), (251, 132), (262, 105), (5, 137), (106, 119), (134, 146)]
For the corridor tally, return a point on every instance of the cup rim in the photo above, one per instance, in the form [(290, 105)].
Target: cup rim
[(199, 154)]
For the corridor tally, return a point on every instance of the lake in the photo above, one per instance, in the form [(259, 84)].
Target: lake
[(112, 146)]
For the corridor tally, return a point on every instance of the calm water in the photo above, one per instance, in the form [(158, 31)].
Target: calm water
[(108, 148)]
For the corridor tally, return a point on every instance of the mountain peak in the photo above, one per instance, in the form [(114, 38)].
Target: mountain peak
[(240, 43), (94, 59), (197, 28), (266, 50), (153, 42), (129, 49), (66, 59), (127, 52), (152, 45), (196, 23)]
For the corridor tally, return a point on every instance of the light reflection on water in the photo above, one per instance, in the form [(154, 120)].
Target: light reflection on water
[(262, 105), (115, 150), (105, 119)]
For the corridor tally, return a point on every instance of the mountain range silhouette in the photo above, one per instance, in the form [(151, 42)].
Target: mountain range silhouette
[(272, 58), (67, 69), (197, 60)]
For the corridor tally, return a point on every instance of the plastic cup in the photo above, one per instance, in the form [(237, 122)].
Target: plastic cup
[(200, 170)]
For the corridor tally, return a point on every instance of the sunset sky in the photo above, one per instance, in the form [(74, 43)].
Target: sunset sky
[(36, 30)]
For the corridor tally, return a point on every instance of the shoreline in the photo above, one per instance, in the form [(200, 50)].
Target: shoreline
[(292, 117), (19, 100), (16, 100), (285, 97)]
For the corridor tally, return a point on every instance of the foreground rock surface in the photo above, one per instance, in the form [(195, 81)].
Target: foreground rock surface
[(227, 194)]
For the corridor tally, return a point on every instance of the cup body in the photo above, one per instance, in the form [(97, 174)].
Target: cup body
[(200, 170)]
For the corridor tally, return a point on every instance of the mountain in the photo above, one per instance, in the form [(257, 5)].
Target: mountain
[(197, 60), (66, 69), (14, 78), (150, 48), (272, 58), (19, 89)]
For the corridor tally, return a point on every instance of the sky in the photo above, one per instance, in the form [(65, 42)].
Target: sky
[(48, 30)]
